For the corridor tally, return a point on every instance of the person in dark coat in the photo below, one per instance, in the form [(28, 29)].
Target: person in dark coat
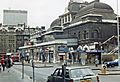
[(9, 62), (3, 63)]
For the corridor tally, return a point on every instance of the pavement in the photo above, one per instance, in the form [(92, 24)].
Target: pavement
[(12, 75)]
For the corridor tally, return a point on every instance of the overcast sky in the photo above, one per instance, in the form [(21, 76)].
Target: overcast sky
[(43, 12)]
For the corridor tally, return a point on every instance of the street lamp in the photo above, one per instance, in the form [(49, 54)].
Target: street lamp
[(32, 50), (118, 34), (23, 57)]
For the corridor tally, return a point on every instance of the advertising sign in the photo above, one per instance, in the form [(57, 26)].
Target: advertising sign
[(62, 49)]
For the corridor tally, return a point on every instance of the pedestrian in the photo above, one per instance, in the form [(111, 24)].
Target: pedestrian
[(0, 67), (96, 62), (27, 57), (3, 63), (9, 63)]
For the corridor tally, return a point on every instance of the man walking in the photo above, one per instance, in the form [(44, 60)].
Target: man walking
[(9, 63)]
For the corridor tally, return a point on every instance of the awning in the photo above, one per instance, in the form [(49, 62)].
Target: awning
[(25, 47), (55, 42)]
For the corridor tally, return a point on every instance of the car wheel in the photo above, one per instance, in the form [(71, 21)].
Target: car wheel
[(112, 66)]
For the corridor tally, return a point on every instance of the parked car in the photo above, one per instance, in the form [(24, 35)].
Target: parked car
[(73, 74), (112, 63)]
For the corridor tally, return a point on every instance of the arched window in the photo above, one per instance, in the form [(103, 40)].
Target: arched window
[(79, 35), (95, 34), (85, 34)]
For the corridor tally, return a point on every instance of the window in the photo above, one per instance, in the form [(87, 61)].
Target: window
[(60, 21), (76, 73), (92, 35), (63, 20), (66, 18), (79, 35), (69, 17), (67, 74), (85, 34), (81, 72), (95, 34), (58, 72), (74, 35)]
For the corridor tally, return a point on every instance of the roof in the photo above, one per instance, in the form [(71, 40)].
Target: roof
[(56, 42), (97, 5), (102, 9), (56, 22), (75, 67)]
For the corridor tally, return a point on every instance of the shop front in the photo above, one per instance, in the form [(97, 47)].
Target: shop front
[(92, 55)]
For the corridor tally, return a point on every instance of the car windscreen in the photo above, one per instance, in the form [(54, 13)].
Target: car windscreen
[(80, 72), (116, 60)]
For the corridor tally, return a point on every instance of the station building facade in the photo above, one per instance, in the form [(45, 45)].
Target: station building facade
[(86, 28), (89, 25)]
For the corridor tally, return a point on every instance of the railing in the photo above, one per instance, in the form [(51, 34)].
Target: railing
[(113, 51), (109, 39)]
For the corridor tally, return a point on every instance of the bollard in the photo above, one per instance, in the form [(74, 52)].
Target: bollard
[(104, 70)]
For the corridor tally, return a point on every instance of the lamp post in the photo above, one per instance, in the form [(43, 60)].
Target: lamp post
[(32, 50), (33, 67), (118, 34), (23, 58), (23, 55)]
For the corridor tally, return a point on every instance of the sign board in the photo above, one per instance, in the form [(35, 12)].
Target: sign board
[(62, 49), (8, 53), (61, 54)]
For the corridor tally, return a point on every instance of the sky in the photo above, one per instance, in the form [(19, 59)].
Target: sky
[(44, 12)]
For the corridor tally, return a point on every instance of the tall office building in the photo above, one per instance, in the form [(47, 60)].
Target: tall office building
[(14, 17), (12, 32)]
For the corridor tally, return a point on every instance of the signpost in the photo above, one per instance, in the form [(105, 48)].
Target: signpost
[(22, 68), (32, 50)]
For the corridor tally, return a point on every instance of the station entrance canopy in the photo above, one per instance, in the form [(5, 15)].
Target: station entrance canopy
[(55, 42)]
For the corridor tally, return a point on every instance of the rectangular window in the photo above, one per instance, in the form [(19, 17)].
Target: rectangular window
[(63, 20), (66, 18), (69, 18)]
